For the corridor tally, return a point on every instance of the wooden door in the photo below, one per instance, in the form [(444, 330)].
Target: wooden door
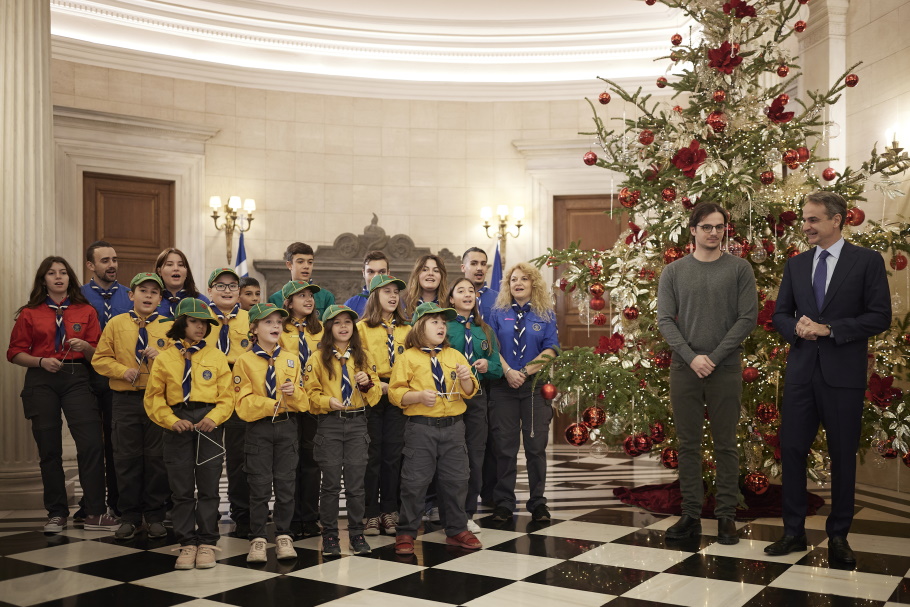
[(134, 214)]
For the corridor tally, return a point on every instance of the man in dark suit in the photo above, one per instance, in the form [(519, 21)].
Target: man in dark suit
[(832, 299)]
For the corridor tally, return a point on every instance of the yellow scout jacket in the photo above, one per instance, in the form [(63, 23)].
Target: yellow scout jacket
[(320, 388), (250, 399), (412, 372), (116, 351), (376, 342)]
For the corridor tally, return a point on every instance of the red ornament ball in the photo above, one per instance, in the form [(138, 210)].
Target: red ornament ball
[(792, 251), (597, 289), (604, 98), (629, 198), (594, 417), (600, 320), (672, 254), (646, 137), (767, 177), (767, 413), (577, 434), (851, 80), (548, 391), (646, 274), (899, 261), (597, 303), (793, 166), (590, 158), (756, 482), (661, 82), (784, 98), (658, 434), (829, 174), (750, 374), (719, 96), (676, 40), (628, 445), (717, 121), (803, 153), (687, 203), (800, 26), (662, 359), (653, 2), (782, 71), (800, 1), (790, 156), (643, 442), (630, 313), (668, 194), (857, 218), (563, 283), (669, 457)]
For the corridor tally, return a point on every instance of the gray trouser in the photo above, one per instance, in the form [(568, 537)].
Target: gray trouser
[(514, 421), (270, 458), (138, 460), (238, 489), (341, 449), (195, 518), (429, 449), (689, 395), (475, 436)]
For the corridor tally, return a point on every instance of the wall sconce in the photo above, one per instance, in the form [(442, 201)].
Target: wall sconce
[(501, 233), (235, 212)]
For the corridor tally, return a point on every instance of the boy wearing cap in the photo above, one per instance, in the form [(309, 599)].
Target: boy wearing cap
[(299, 259), (129, 345), (268, 382), (374, 263), (232, 330), (189, 393)]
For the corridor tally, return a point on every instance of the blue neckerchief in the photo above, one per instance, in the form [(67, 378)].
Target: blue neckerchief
[(347, 389), (390, 329), (518, 340), (303, 348), (436, 368), (173, 299), (271, 386), (60, 333), (187, 366), (106, 295), (224, 335), (143, 341), (468, 337)]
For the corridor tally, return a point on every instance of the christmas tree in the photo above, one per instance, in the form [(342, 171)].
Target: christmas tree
[(728, 138)]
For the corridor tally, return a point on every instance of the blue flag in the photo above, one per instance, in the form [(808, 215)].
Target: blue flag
[(496, 277), (240, 266)]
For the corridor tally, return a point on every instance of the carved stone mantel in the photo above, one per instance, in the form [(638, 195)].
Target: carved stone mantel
[(339, 266)]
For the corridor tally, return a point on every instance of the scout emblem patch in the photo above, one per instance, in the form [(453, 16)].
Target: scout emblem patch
[(291, 363), (244, 343), (484, 345), (206, 375), (536, 326), (454, 376), (160, 343), (77, 327)]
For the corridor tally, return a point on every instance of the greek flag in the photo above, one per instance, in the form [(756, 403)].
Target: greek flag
[(496, 277), (240, 266)]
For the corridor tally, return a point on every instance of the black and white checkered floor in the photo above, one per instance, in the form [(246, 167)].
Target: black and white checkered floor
[(596, 551)]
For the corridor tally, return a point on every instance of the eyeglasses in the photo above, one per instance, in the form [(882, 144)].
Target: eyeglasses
[(707, 229), (220, 286)]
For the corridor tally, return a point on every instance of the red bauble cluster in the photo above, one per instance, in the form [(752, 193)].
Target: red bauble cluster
[(851, 80), (756, 482), (717, 121), (719, 96), (669, 457), (676, 40), (630, 313), (604, 98), (658, 434), (899, 261), (647, 274), (855, 216), (594, 417), (577, 434), (829, 174), (767, 177), (629, 198), (668, 194), (800, 26), (782, 71), (661, 82), (767, 413), (750, 374), (590, 158), (548, 391), (672, 254), (646, 137), (597, 303)]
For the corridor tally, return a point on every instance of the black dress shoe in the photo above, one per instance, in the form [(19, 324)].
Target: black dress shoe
[(502, 514), (839, 550), (786, 545), (726, 532), (685, 527)]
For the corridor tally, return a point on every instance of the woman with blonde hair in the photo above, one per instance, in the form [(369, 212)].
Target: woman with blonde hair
[(426, 283), (525, 325)]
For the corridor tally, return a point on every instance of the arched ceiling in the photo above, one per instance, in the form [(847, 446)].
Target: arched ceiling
[(467, 49)]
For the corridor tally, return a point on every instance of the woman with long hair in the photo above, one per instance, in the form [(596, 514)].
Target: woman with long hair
[(426, 284), (174, 269)]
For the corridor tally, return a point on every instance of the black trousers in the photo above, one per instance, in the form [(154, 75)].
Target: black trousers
[(476, 428), (385, 423), (271, 461), (45, 396), (839, 411), (306, 502), (238, 487), (105, 397)]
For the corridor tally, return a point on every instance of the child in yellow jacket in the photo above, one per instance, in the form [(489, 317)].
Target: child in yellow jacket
[(189, 394), (268, 382), (127, 348), (341, 382), (430, 382)]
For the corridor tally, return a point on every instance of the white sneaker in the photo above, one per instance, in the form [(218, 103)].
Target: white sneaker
[(187, 557), (284, 547), (55, 524), (474, 527), (257, 551), (431, 514)]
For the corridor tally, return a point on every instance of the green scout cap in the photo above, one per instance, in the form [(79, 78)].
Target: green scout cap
[(142, 277), (194, 308), (218, 272), (261, 310), (296, 286), (381, 280), (335, 309), (433, 308)]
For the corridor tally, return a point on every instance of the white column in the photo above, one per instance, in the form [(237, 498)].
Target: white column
[(27, 227)]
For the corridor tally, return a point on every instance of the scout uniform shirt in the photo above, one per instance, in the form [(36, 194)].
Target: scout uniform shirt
[(116, 350), (376, 342), (238, 333), (320, 388), (481, 346), (251, 402), (211, 383), (412, 372), (290, 340), (35, 331)]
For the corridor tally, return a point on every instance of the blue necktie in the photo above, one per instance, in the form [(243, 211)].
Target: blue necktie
[(821, 277), (468, 337), (143, 341), (271, 385), (303, 348), (518, 341), (60, 333), (347, 390), (224, 335), (173, 299), (438, 377), (106, 295), (188, 366), (390, 329)]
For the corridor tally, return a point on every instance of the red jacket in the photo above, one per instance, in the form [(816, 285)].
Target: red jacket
[(35, 329)]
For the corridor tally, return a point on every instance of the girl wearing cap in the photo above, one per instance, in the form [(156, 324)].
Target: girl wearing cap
[(469, 334), (232, 337), (129, 345), (383, 330), (54, 334), (268, 383), (427, 283), (341, 382), (189, 393), (430, 382), (524, 321), (302, 328), (174, 270)]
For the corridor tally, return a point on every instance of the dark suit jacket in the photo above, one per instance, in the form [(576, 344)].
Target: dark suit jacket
[(857, 306)]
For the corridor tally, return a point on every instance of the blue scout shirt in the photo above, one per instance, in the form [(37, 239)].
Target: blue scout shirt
[(120, 300), (540, 334), (358, 302), (486, 297), (483, 348)]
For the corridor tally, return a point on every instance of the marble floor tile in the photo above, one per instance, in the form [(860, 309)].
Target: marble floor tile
[(684, 590), (833, 581)]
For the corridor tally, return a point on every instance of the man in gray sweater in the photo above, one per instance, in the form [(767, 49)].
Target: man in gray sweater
[(706, 306)]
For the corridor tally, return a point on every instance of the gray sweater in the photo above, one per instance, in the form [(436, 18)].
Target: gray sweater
[(707, 308)]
